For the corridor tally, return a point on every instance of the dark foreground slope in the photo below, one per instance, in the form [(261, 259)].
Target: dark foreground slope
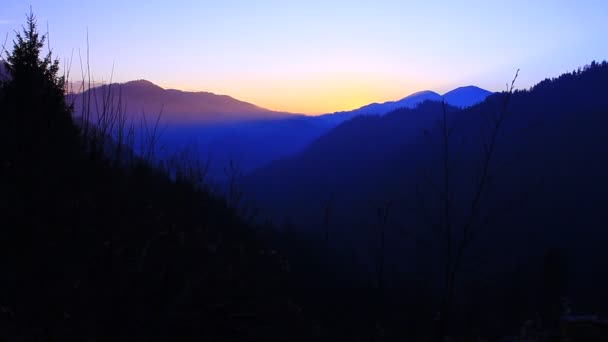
[(96, 247)]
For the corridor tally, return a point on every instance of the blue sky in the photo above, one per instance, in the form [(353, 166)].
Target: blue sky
[(322, 56)]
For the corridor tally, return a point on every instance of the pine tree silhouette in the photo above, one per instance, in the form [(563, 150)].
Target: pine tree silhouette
[(38, 154), (37, 127)]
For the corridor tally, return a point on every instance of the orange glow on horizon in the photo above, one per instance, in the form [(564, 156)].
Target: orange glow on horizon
[(308, 96)]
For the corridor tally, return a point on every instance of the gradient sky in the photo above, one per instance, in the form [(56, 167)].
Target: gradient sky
[(322, 56)]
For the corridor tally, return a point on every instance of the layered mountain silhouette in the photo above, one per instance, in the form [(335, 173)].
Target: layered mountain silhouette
[(222, 129), (180, 107), (407, 102), (459, 97), (177, 106), (350, 156)]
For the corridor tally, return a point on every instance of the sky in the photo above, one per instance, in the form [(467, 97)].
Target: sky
[(314, 56)]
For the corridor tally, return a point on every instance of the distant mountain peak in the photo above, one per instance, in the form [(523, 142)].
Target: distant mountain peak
[(143, 96), (409, 101), (466, 96), (467, 87), (143, 84), (422, 93)]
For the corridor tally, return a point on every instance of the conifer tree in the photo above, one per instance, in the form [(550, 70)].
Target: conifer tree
[(36, 122)]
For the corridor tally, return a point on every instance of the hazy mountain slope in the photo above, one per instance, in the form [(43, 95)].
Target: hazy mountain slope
[(340, 163), (409, 101), (177, 106), (248, 144), (214, 128)]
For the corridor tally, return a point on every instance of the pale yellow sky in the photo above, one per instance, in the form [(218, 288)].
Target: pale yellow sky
[(314, 94)]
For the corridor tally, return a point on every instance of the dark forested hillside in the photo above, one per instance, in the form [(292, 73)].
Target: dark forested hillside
[(541, 190), (556, 115)]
